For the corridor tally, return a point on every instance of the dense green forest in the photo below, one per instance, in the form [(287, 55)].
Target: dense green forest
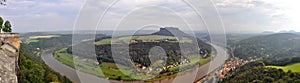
[(281, 49), (283, 62), (139, 52), (269, 47), (256, 72), (33, 70)]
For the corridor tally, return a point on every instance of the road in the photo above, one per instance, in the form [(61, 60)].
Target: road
[(188, 77)]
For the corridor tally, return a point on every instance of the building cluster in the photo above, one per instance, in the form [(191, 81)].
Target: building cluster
[(160, 40), (230, 66), (141, 68)]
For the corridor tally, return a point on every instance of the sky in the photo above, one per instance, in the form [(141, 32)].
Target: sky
[(230, 15)]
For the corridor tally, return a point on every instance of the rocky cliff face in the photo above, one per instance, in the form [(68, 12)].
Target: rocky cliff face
[(9, 53), (170, 31)]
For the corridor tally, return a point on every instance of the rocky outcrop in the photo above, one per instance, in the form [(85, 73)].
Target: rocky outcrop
[(170, 31), (9, 54)]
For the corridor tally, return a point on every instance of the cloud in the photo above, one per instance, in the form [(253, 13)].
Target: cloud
[(237, 15), (41, 15), (251, 15)]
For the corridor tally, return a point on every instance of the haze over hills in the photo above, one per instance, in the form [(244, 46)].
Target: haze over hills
[(271, 47), (170, 31)]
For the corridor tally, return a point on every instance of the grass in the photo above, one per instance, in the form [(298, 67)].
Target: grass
[(149, 38), (293, 67), (111, 71), (194, 59), (33, 39), (42, 37)]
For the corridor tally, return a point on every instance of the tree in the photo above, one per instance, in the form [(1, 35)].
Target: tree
[(7, 27), (1, 23)]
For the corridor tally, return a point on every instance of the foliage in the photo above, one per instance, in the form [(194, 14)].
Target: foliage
[(1, 23), (6, 27), (256, 72), (291, 67), (269, 47), (283, 62), (139, 51), (33, 70), (54, 42), (32, 67)]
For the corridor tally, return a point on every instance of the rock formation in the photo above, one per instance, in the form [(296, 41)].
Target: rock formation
[(170, 31), (9, 53)]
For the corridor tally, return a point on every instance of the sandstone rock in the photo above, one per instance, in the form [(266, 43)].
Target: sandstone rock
[(9, 44)]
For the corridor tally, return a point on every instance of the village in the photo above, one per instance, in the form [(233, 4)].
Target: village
[(227, 67)]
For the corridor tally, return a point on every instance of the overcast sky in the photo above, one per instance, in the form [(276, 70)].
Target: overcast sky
[(236, 15)]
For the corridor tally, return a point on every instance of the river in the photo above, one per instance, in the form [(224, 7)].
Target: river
[(187, 77)]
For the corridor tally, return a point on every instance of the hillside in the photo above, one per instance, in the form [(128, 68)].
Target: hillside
[(257, 72), (149, 54), (269, 47), (170, 31), (140, 46)]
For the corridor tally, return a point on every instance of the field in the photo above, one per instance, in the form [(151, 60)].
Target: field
[(33, 39), (293, 67), (149, 38), (46, 36), (87, 65), (111, 71)]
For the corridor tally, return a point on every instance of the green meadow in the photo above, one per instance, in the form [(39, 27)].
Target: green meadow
[(293, 67), (111, 71), (148, 38)]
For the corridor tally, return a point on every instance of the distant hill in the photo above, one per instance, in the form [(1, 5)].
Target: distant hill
[(139, 50), (270, 47), (170, 31)]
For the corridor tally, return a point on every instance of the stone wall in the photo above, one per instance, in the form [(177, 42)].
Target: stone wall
[(9, 54)]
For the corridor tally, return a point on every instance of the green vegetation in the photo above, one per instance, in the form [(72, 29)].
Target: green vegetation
[(32, 67), (269, 47), (292, 67), (280, 59), (6, 27), (64, 57), (34, 70), (139, 48), (256, 72), (111, 71), (88, 66), (145, 38)]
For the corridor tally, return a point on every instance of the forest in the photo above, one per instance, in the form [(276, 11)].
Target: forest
[(269, 47), (256, 72), (33, 70), (139, 52)]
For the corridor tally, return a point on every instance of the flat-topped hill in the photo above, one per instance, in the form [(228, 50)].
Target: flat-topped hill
[(170, 31)]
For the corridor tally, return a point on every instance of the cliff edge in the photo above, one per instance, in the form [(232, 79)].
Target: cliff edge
[(9, 54)]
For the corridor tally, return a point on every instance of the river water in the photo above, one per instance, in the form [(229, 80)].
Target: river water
[(188, 77)]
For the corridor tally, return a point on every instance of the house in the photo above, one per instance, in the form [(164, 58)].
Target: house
[(164, 40), (136, 41), (96, 63)]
